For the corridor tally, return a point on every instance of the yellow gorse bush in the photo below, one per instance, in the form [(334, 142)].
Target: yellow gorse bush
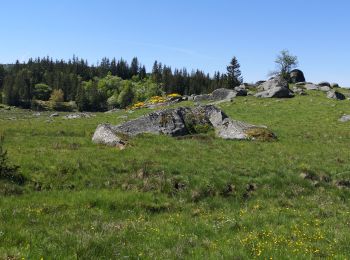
[(157, 99), (138, 105), (173, 95)]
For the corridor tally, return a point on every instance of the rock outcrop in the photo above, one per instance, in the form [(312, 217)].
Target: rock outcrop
[(311, 86), (299, 91), (274, 88), (324, 84), (335, 95), (334, 85), (275, 92), (179, 122), (221, 94), (324, 88), (297, 76)]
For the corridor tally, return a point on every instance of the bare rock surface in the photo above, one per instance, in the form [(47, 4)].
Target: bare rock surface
[(222, 94), (311, 86), (179, 122), (297, 76), (274, 88), (335, 95)]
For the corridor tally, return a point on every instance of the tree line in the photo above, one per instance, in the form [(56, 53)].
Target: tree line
[(109, 84)]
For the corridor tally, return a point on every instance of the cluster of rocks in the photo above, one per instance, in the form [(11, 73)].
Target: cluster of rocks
[(275, 87), (179, 122), (79, 115), (326, 87)]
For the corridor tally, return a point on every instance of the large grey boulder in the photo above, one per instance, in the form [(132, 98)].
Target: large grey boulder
[(324, 88), (203, 97), (168, 122), (299, 91), (223, 93), (324, 84), (241, 91), (334, 85), (311, 86), (232, 129), (105, 134), (178, 122), (275, 92), (275, 87), (297, 76), (335, 95), (273, 82)]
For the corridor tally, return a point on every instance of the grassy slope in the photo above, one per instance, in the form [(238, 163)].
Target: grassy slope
[(168, 198)]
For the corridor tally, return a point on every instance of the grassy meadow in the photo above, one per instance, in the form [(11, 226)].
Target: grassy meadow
[(195, 197)]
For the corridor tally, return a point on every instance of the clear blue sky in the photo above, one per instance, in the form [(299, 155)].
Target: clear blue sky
[(202, 34)]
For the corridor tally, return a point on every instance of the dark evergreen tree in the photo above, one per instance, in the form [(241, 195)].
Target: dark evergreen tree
[(234, 75), (134, 67), (114, 67), (2, 75), (142, 72), (157, 72), (81, 99), (123, 70)]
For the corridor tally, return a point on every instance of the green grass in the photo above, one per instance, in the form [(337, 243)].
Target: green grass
[(198, 197)]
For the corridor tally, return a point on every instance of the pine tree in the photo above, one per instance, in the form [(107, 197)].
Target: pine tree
[(123, 70), (234, 75), (114, 67), (157, 72), (142, 72), (134, 67), (2, 75)]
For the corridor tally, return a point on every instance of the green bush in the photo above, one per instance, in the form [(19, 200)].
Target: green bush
[(9, 172), (42, 91), (57, 96), (127, 96)]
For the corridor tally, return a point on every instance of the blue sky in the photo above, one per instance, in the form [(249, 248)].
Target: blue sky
[(184, 33)]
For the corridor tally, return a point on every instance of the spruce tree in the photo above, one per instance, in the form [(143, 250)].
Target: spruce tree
[(2, 76), (134, 67), (142, 72), (234, 75)]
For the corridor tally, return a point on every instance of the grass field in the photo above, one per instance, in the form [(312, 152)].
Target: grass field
[(197, 197)]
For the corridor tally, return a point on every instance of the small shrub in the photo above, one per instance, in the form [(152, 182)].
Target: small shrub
[(260, 134), (196, 124), (9, 172), (57, 96)]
